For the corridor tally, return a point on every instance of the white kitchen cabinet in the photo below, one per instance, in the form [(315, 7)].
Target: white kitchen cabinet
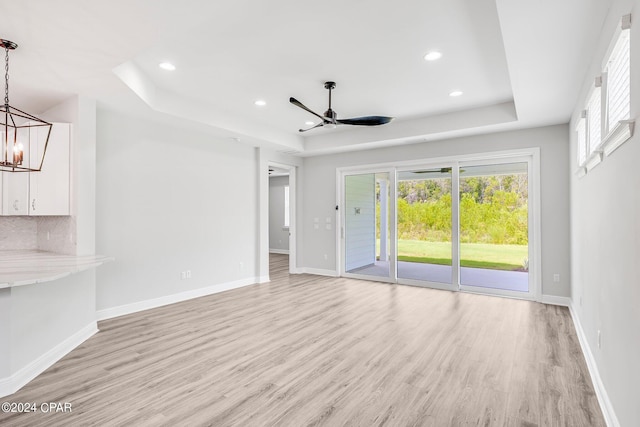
[(46, 192), (15, 190), (49, 189)]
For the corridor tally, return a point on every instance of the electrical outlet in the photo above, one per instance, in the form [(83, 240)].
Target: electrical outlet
[(599, 339), (188, 274), (183, 275), (556, 278)]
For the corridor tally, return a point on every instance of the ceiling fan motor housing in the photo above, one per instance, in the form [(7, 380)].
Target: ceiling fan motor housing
[(330, 114)]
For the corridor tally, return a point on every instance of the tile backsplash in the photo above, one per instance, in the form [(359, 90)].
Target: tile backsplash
[(18, 233), (46, 233), (57, 234)]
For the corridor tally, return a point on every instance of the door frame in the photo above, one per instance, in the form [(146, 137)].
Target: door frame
[(506, 156), (292, 211), (341, 174)]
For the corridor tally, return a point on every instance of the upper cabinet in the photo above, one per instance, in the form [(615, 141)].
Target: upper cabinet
[(49, 189), (46, 192)]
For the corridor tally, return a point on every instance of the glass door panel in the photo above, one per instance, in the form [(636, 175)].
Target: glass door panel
[(494, 243), (366, 221), (424, 225)]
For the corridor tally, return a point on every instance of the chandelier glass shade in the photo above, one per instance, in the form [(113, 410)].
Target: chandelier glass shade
[(23, 136)]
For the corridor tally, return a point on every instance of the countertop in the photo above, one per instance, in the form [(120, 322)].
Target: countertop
[(25, 267)]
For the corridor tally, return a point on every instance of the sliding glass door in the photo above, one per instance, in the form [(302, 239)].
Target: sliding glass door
[(455, 225), (425, 221), (494, 227)]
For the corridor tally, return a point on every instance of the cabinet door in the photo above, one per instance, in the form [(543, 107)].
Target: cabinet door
[(15, 194), (49, 188)]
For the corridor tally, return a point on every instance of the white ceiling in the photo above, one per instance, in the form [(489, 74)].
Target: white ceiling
[(519, 63)]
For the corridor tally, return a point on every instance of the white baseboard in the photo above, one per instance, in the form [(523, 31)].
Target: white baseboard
[(279, 251), (18, 380), (603, 397), (318, 271), (556, 300), (109, 313)]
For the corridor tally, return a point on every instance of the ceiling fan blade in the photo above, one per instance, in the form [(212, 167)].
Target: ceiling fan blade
[(301, 105), (313, 127), (366, 121)]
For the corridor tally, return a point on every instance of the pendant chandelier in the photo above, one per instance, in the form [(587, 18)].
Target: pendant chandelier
[(23, 137)]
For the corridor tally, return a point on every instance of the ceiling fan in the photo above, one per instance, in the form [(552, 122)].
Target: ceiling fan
[(330, 118)]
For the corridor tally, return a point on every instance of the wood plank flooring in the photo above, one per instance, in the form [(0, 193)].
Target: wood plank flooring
[(306, 350)]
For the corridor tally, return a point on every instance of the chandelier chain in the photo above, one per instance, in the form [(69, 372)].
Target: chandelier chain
[(6, 76)]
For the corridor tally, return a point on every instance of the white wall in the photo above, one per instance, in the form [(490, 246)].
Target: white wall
[(45, 315), (278, 235), (605, 236), (320, 175), (360, 221), (171, 198)]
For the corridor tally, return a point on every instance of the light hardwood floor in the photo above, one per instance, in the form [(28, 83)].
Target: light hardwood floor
[(308, 350)]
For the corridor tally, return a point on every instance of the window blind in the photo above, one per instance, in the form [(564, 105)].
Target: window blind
[(619, 82), (582, 142), (594, 116)]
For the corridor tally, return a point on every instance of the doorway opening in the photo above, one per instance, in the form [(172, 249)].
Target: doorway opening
[(281, 214)]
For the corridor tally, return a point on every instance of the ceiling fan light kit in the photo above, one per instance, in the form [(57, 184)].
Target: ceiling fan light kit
[(20, 131), (330, 118)]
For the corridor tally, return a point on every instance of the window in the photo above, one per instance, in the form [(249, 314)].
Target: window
[(619, 80), (286, 205), (605, 123), (594, 114), (581, 130)]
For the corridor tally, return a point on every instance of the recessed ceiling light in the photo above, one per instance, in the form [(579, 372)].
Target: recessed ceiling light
[(432, 56), (260, 103), (456, 93), (309, 123), (167, 66)]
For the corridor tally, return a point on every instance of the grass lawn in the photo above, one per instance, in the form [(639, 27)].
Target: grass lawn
[(479, 255)]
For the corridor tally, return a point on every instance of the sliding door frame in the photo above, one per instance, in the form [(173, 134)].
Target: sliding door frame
[(532, 156)]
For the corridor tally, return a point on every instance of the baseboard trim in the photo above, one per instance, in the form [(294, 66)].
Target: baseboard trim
[(556, 300), (318, 271), (15, 382), (110, 313), (601, 392), (279, 251)]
